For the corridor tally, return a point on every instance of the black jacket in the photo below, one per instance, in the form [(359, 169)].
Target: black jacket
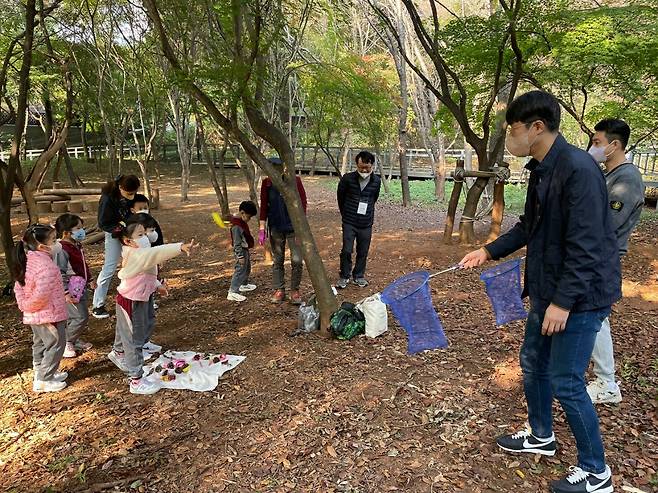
[(349, 195), (112, 210), (572, 256)]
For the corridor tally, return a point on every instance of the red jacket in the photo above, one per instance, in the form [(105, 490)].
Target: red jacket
[(77, 259)]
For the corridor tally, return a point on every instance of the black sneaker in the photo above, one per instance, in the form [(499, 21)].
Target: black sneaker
[(579, 481), (342, 283), (361, 282), (524, 441), (100, 312)]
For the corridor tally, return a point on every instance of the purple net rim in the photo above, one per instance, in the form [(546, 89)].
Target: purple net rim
[(389, 296), (500, 269)]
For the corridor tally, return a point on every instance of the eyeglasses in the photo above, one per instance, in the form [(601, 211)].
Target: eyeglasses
[(519, 124)]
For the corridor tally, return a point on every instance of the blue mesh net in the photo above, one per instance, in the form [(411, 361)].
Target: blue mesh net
[(411, 302), (503, 285)]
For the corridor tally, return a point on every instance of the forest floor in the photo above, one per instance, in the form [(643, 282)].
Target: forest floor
[(312, 414)]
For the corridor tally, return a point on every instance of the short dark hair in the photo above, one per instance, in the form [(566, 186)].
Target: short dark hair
[(533, 106), (615, 129), (145, 220), (66, 222), (366, 157), (140, 198), (276, 161), (248, 207)]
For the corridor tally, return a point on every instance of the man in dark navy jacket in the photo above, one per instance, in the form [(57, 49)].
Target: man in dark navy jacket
[(274, 217), (357, 194), (572, 277)]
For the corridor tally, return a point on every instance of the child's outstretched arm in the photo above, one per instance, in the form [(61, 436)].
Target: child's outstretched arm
[(143, 259)]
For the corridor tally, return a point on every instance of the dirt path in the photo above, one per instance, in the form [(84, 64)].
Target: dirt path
[(310, 414)]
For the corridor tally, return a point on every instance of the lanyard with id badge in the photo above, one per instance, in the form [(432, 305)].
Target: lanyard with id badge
[(362, 209)]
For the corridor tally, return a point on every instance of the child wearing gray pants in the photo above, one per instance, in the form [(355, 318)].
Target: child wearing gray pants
[(242, 241), (70, 259), (40, 296), (134, 301)]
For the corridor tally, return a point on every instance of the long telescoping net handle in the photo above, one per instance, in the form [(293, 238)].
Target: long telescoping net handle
[(457, 267), (449, 269)]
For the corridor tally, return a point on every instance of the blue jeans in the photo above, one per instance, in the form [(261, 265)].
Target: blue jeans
[(112, 257), (556, 366)]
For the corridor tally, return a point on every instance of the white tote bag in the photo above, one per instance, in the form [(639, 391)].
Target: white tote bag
[(374, 310)]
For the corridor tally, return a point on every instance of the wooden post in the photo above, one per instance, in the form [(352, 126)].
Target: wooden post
[(454, 200), (498, 208)]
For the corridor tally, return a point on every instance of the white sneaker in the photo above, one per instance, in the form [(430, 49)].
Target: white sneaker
[(602, 392), (235, 297), (151, 348), (50, 386), (247, 287), (117, 359), (69, 352), (579, 481), (155, 306), (142, 386)]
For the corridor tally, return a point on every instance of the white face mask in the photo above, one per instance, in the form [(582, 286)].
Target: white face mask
[(143, 211), (143, 242), (599, 155), (365, 175), (152, 236)]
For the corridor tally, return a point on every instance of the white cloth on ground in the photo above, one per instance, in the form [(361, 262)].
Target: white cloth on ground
[(203, 374)]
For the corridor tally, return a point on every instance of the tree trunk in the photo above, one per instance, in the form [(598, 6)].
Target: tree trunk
[(402, 134), (58, 165), (74, 179), (498, 211), (452, 204), (440, 179), (249, 172), (226, 212), (378, 165), (12, 171), (222, 199), (181, 122), (403, 109), (466, 225), (344, 154), (314, 162), (83, 139)]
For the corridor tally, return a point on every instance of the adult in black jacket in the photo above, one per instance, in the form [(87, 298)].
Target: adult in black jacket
[(572, 277), (357, 194), (113, 208)]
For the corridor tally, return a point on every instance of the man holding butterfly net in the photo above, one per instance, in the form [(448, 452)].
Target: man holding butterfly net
[(572, 277)]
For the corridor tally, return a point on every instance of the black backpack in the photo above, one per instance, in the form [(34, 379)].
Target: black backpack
[(347, 322)]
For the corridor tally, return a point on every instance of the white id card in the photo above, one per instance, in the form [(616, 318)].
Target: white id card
[(363, 208)]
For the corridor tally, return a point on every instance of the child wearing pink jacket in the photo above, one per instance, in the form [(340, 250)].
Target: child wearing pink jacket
[(40, 296), (139, 281)]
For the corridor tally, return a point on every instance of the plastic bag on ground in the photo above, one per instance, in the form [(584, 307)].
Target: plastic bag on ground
[(308, 318), (376, 315)]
